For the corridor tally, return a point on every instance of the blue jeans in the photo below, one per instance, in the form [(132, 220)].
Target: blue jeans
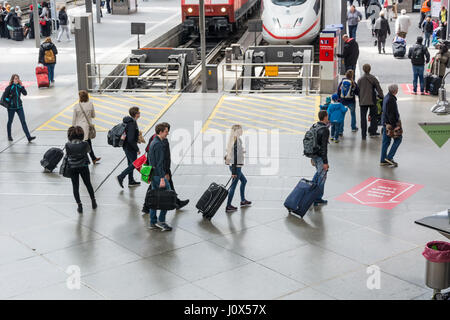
[(162, 215), (385, 145), (352, 31), (320, 177), (427, 39), (21, 114), (336, 128), (352, 107), (418, 73), (51, 71), (131, 157), (240, 177)]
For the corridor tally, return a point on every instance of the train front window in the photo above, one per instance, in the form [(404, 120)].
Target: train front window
[(288, 3)]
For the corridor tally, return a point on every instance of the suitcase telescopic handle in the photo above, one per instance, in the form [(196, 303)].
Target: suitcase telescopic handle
[(228, 183)]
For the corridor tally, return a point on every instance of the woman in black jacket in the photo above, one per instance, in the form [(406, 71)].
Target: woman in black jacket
[(11, 96), (78, 164)]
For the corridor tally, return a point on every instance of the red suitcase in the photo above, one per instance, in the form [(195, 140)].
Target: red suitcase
[(42, 77)]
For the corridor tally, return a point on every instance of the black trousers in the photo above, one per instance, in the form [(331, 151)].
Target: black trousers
[(91, 154), (373, 117), (86, 177)]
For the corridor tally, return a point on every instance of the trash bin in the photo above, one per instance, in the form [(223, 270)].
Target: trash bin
[(437, 275)]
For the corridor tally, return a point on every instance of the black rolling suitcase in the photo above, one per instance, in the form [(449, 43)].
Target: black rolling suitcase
[(212, 199), (432, 82), (51, 158), (17, 34)]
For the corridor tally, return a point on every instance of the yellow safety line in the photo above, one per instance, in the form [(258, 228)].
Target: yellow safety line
[(105, 121), (157, 97), (43, 129), (147, 100), (205, 126), (55, 116), (163, 110), (268, 112), (215, 129), (62, 123), (133, 103), (98, 105), (52, 128), (234, 122), (279, 104), (257, 121), (273, 108), (316, 118), (108, 115), (66, 116), (120, 105)]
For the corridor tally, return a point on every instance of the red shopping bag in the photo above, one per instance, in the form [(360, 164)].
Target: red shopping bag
[(140, 161)]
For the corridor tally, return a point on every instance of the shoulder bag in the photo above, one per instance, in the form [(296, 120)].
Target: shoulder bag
[(92, 132)]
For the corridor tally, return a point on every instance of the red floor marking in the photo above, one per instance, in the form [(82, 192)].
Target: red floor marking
[(408, 88), (4, 84), (380, 193)]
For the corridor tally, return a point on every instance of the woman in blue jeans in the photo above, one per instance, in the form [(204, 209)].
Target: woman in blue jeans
[(235, 159), (11, 98)]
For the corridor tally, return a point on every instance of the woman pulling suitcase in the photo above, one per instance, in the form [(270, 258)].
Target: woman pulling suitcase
[(11, 100), (235, 159)]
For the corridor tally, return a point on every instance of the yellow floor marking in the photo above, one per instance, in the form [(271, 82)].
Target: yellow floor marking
[(217, 130), (257, 114), (270, 125), (66, 116), (133, 103), (55, 116), (273, 108), (120, 105), (101, 106), (219, 124), (158, 97), (108, 115), (163, 110), (62, 123), (146, 100), (105, 121), (316, 118), (205, 126), (279, 104), (234, 122), (295, 103)]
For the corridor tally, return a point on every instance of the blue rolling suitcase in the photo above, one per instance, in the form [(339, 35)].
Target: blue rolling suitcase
[(302, 197)]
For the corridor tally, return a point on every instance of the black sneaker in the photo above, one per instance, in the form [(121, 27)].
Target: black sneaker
[(230, 209), (182, 203), (80, 208), (391, 162), (94, 204), (133, 184), (384, 163), (10, 139), (120, 181), (163, 226), (355, 130), (320, 202), (31, 139), (246, 203), (374, 135), (152, 226)]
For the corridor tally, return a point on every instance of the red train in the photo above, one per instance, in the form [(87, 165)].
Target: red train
[(221, 16)]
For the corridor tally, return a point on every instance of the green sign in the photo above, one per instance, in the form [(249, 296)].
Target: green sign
[(438, 132)]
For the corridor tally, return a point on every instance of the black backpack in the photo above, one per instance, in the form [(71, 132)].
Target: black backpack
[(115, 135), (417, 55)]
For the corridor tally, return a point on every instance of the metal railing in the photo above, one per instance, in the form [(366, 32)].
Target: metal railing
[(307, 74), (116, 73)]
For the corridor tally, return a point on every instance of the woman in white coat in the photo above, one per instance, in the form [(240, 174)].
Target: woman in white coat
[(83, 113)]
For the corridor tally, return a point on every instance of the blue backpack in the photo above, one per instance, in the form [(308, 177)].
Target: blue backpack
[(346, 89)]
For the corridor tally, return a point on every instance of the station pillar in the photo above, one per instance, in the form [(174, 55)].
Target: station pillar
[(85, 50), (328, 49)]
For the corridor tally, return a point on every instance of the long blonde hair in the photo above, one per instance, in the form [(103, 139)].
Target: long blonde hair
[(236, 132)]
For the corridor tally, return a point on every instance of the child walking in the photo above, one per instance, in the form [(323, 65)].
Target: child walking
[(336, 114)]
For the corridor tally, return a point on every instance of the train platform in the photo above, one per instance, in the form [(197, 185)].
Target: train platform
[(258, 252)]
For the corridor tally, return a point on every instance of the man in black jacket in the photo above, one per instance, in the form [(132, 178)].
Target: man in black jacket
[(156, 160), (419, 55), (390, 120), (320, 161), (382, 29), (350, 53), (130, 147)]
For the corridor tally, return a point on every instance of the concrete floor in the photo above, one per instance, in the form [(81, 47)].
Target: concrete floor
[(255, 253)]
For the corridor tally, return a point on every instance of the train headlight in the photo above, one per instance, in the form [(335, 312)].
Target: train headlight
[(223, 10), (190, 10)]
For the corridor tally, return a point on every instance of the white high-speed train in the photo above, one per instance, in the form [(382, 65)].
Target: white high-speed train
[(291, 21)]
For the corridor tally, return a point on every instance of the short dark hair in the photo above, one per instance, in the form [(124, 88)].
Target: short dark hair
[(166, 124), (75, 133), (367, 68), (160, 127), (133, 111), (419, 39), (322, 115)]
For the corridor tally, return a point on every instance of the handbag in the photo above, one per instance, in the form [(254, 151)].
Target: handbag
[(64, 169), (146, 173), (42, 22), (92, 132), (3, 101), (161, 199), (139, 162)]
